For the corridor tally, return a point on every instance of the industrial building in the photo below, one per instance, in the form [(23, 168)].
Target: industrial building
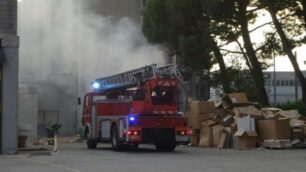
[(286, 87), (9, 43)]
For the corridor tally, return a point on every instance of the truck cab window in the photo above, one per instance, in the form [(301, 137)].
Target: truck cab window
[(140, 94), (163, 95)]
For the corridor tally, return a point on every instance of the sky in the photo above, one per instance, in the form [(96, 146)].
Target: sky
[(282, 63)]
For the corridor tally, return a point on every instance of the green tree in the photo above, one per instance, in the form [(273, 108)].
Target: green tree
[(181, 25), (285, 20), (233, 17)]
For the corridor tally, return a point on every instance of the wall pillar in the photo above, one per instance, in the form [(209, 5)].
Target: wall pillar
[(9, 80)]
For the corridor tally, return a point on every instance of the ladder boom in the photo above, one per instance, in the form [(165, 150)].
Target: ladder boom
[(136, 76)]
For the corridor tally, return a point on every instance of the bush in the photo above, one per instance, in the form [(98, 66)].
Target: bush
[(291, 105)]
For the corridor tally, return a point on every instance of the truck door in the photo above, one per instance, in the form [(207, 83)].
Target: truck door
[(87, 109)]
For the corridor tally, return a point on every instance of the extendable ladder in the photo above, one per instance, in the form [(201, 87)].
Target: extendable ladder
[(137, 76)]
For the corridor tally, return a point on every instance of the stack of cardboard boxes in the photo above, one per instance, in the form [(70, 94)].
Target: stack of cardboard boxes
[(200, 111), (234, 122)]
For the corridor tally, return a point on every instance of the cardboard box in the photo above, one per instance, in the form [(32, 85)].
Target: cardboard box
[(221, 114), (216, 134), (205, 116), (194, 120), (208, 123), (245, 123), (248, 110), (298, 133), (274, 129), (230, 131), (206, 137), (291, 114), (296, 142), (224, 139), (202, 107), (228, 120), (271, 116), (229, 100), (194, 140), (277, 144), (271, 109), (296, 123), (246, 139)]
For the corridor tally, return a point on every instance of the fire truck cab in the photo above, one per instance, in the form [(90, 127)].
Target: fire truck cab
[(136, 107)]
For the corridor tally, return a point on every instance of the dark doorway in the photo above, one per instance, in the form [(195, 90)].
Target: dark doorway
[(46, 117)]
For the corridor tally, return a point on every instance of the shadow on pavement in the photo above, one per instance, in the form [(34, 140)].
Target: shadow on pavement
[(141, 149)]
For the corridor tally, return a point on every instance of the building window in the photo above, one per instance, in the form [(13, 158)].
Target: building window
[(286, 83), (268, 83), (277, 82), (291, 83), (282, 83)]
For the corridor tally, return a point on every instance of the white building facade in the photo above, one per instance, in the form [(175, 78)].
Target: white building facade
[(286, 87)]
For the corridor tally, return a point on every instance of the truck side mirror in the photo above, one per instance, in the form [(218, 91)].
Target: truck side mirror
[(79, 101)]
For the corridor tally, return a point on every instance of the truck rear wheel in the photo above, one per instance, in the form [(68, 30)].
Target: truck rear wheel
[(165, 146), (116, 145)]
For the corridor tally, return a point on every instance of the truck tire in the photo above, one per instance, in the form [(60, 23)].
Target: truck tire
[(116, 145), (134, 146), (165, 146), (91, 143)]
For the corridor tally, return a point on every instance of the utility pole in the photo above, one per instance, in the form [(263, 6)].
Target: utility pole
[(274, 79), (2, 60), (295, 81)]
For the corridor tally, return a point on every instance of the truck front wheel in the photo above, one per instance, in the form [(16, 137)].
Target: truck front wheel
[(165, 146), (91, 143), (116, 146)]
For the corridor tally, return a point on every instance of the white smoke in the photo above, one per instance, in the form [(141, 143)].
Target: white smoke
[(63, 48), (60, 37), (110, 48)]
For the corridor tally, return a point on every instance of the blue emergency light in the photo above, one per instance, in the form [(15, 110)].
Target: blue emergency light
[(96, 85), (132, 118)]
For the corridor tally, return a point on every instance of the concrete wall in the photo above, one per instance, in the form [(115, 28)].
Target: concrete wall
[(27, 114), (54, 95), (10, 43)]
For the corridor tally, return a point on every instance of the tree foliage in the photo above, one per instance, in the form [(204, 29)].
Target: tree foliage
[(201, 30), (176, 23)]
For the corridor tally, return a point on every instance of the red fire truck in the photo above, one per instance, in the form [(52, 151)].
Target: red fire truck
[(135, 107)]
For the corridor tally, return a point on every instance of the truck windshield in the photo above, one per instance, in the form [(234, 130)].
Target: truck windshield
[(163, 95)]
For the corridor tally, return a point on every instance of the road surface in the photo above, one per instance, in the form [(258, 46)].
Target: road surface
[(76, 158)]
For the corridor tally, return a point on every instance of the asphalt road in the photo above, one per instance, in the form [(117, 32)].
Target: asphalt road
[(76, 158)]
